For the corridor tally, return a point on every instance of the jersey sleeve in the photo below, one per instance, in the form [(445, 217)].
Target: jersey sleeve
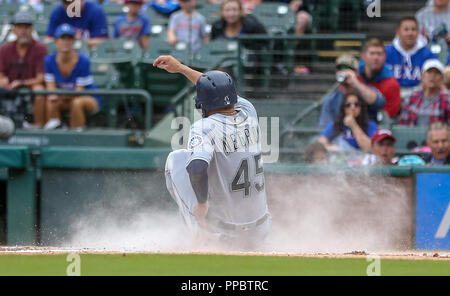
[(200, 144), (247, 106), (328, 131)]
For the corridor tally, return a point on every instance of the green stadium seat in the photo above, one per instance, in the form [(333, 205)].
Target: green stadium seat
[(440, 49), (276, 17), (409, 137), (161, 85), (114, 9), (158, 32), (48, 9), (123, 54), (217, 53), (210, 11), (9, 9), (105, 76), (156, 18), (40, 28)]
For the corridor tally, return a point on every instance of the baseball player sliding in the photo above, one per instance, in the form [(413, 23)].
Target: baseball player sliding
[(218, 181)]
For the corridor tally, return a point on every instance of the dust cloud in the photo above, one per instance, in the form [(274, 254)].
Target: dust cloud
[(331, 213)]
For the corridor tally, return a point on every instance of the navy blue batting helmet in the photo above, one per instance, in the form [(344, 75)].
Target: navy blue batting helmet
[(215, 90)]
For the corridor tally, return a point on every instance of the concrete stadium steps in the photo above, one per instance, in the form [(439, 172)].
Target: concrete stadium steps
[(391, 13)]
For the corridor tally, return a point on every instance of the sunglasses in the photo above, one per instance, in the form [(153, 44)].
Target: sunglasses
[(348, 105)]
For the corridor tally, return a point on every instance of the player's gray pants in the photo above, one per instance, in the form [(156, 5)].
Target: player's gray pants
[(179, 186)]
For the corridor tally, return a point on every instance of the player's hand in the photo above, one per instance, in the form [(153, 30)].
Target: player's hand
[(168, 63), (200, 211)]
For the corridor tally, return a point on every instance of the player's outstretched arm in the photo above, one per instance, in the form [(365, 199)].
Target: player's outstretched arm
[(172, 65)]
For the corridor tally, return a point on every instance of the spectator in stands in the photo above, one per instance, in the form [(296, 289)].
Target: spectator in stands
[(430, 102), (447, 78), (438, 140), (435, 20), (303, 18), (353, 129), (234, 22), (346, 68), (68, 70), (164, 7), (133, 25), (187, 26), (315, 153), (90, 26), (382, 149), (249, 5), (375, 72), (407, 54), (22, 64)]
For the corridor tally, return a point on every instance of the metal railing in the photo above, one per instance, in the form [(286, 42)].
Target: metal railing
[(142, 94)]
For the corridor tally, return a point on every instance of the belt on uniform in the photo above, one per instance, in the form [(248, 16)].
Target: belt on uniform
[(229, 226)]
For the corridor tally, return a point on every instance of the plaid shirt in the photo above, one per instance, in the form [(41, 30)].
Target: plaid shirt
[(440, 110)]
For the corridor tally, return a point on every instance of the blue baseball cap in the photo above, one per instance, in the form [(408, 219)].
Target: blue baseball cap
[(64, 29)]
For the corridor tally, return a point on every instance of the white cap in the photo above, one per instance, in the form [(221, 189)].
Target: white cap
[(433, 63)]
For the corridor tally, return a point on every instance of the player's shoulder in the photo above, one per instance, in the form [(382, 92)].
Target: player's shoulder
[(203, 126), (245, 104)]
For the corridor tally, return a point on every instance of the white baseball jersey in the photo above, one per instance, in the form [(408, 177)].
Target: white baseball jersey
[(231, 144)]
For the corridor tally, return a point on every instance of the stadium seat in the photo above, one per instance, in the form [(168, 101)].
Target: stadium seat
[(123, 54), (276, 17), (210, 11), (156, 18), (409, 137), (158, 33), (329, 16), (9, 9), (40, 28), (114, 9), (161, 85), (217, 53), (48, 9)]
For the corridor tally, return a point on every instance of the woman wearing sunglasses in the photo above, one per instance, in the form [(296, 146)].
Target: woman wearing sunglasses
[(353, 129)]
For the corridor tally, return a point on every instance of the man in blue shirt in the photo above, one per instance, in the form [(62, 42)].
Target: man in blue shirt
[(133, 25), (90, 26), (407, 55)]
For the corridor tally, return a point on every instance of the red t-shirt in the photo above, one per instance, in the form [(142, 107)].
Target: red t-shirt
[(390, 89), (13, 67)]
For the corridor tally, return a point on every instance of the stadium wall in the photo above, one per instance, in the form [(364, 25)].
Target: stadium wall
[(312, 207)]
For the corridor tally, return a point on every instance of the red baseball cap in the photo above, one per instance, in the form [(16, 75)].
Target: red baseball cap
[(382, 134)]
